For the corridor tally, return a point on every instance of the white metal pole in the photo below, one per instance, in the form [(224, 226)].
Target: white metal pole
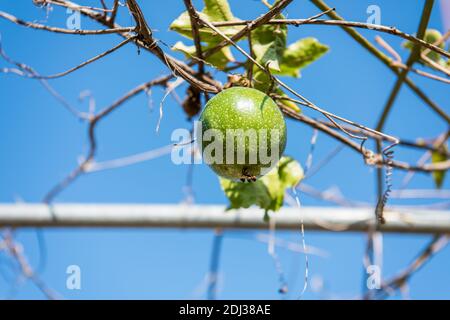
[(214, 216)]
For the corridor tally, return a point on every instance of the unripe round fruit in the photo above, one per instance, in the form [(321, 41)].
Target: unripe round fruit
[(259, 133), (432, 36)]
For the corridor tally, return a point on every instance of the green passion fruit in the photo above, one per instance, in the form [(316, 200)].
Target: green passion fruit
[(432, 36), (243, 133)]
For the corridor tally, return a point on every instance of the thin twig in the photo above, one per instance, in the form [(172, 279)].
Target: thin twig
[(115, 8), (38, 26), (370, 157), (343, 23), (104, 9), (194, 18), (419, 144), (97, 57), (250, 65)]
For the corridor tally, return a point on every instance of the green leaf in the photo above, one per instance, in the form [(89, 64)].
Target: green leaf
[(218, 10), (268, 191), (299, 55), (275, 188), (290, 172), (218, 59), (269, 43), (438, 176), (244, 195), (287, 174), (214, 11)]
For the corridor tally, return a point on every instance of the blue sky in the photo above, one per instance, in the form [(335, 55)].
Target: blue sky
[(41, 143)]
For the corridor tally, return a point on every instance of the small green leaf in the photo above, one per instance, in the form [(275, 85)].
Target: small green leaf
[(244, 195), (290, 172), (287, 174), (438, 176), (300, 54), (268, 191), (269, 43), (218, 59), (276, 191), (214, 11), (218, 10)]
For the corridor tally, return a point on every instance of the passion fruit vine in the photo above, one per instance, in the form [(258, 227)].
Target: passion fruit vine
[(248, 129)]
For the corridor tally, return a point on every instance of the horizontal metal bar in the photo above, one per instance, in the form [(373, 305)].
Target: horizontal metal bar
[(214, 216)]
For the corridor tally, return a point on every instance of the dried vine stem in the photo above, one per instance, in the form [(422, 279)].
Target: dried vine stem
[(195, 34), (401, 142), (47, 2), (363, 129), (85, 63), (38, 26), (297, 22), (370, 157), (115, 8)]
